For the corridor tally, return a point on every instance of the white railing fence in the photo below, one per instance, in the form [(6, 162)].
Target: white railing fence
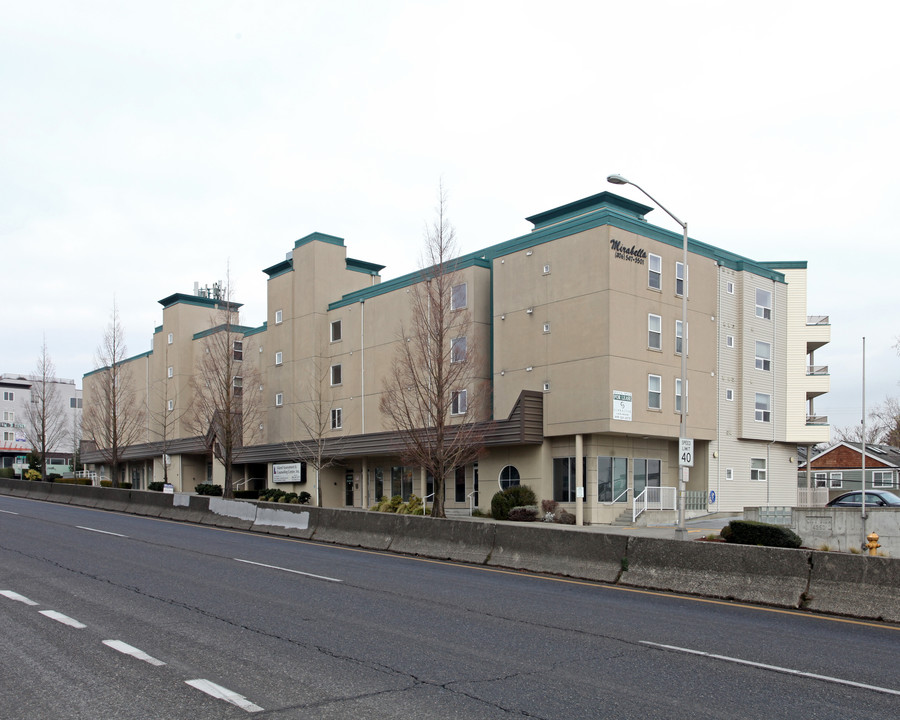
[(654, 498)]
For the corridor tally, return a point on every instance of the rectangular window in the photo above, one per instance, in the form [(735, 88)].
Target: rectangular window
[(458, 402), (75, 403), (337, 418), (647, 473), (763, 355), (729, 288), (820, 479), (238, 385), (546, 269), (612, 479), (758, 469), (763, 304), (654, 270), (460, 476), (336, 331), (279, 358), (729, 394), (171, 338), (679, 338), (238, 350), (278, 317), (170, 405), (402, 481), (279, 399), (654, 332), (836, 479), (9, 416), (459, 296), (9, 437), (458, 350), (678, 396), (335, 374), (729, 473), (763, 407), (679, 279), (7, 395), (729, 341), (170, 372), (564, 479), (654, 392), (882, 478)]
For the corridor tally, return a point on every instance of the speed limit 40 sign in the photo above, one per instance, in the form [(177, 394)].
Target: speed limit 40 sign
[(686, 452)]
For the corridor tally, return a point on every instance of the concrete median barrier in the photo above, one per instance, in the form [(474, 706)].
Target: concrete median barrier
[(357, 528), (440, 538), (546, 549), (855, 585), (772, 576), (287, 519), (235, 514), (15, 488)]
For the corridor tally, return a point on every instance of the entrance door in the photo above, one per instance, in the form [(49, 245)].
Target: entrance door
[(646, 474), (348, 488)]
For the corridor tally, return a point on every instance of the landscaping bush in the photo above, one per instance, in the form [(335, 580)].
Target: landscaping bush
[(246, 494), (156, 486), (548, 510), (304, 498), (413, 506), (208, 489), (506, 500), (53, 477), (523, 514), (32, 474), (747, 532), (73, 481), (7, 472), (122, 485)]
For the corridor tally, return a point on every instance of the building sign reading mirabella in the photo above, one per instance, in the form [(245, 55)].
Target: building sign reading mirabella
[(630, 254)]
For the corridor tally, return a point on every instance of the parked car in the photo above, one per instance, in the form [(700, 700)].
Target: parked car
[(874, 498)]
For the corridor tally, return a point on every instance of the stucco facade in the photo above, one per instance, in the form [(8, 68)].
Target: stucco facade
[(580, 326)]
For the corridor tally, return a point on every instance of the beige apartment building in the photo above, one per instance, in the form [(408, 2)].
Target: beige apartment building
[(580, 322)]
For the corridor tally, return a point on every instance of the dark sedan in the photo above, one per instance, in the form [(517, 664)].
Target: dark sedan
[(874, 498)]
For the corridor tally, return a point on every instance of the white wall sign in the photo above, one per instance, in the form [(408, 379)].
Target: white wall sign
[(621, 405), (686, 452), (288, 472)]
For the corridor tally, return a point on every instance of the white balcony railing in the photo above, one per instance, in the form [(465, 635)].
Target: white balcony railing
[(816, 369), (818, 320), (654, 498)]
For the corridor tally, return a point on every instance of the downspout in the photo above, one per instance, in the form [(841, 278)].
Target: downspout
[(718, 388), (364, 481)]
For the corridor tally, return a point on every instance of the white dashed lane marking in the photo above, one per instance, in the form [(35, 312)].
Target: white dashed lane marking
[(102, 532), (15, 596), (217, 691), (64, 619), (127, 649), (296, 572)]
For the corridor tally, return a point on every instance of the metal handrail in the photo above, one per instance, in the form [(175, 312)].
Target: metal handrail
[(425, 504), (471, 497), (816, 369)]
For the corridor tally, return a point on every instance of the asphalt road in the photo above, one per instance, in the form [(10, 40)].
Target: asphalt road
[(163, 620)]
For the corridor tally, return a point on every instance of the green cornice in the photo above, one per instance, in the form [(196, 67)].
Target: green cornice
[(126, 360), (236, 329), (320, 237), (261, 328), (586, 205), (364, 267), (786, 265), (279, 268), (197, 300), (157, 329)]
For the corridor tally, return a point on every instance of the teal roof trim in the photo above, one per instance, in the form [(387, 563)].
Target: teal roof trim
[(279, 268), (321, 237), (126, 360), (237, 329), (471, 260), (786, 265), (157, 329), (364, 267), (261, 328), (196, 300), (588, 204)]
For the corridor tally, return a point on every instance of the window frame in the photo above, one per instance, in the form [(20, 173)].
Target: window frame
[(680, 340), (170, 339), (820, 479), (458, 349), (729, 394), (680, 266), (879, 475), (654, 261), (763, 363), (170, 405), (651, 392), (336, 375), (835, 476), (509, 480), (336, 336), (279, 399), (337, 418), (651, 332), (457, 302), (237, 385), (764, 311), (729, 341), (762, 414), (279, 317), (678, 397), (459, 402), (729, 473), (759, 473), (9, 395), (237, 349), (279, 358), (170, 371)]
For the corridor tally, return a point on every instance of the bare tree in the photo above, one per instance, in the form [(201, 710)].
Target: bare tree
[(45, 426), (165, 413), (225, 404), (882, 426), (113, 418), (433, 396), (319, 418)]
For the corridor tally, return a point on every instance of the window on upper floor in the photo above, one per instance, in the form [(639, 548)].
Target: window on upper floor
[(679, 279), (729, 288), (763, 304), (75, 403), (279, 399), (679, 339), (170, 405), (336, 375), (279, 358), (729, 473), (9, 416), (238, 385), (763, 407), (279, 315), (729, 394), (170, 371), (459, 297), (729, 341), (458, 402), (336, 330), (654, 332), (758, 469), (9, 395), (337, 418), (654, 392), (238, 350), (171, 338), (763, 355), (678, 396), (654, 271), (458, 350)]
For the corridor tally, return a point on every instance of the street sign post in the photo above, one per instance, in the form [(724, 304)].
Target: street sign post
[(686, 452)]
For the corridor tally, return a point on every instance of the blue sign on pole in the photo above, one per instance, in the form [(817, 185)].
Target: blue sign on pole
[(712, 497)]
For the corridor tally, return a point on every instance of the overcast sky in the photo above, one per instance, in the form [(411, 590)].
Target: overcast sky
[(147, 145)]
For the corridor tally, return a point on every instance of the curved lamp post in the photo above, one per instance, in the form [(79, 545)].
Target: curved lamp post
[(682, 425)]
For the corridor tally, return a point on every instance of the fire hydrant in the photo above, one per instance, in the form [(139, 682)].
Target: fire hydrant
[(873, 544)]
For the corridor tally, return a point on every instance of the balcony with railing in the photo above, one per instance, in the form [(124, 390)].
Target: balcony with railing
[(816, 419), (818, 332)]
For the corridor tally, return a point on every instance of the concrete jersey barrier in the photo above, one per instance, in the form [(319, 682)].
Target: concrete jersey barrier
[(854, 585)]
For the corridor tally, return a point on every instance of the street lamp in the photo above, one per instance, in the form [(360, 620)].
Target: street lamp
[(682, 425)]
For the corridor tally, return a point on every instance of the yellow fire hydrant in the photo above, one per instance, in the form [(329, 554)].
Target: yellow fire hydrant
[(873, 544)]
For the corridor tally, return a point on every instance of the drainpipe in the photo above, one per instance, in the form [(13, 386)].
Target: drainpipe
[(579, 479)]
